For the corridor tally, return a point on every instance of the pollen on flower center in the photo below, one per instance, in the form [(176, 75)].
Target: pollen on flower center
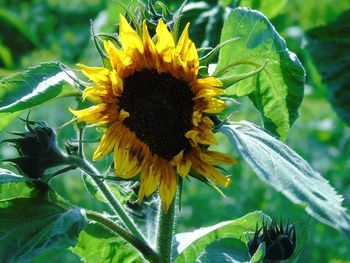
[(160, 108)]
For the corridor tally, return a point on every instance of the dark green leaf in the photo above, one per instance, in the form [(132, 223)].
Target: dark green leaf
[(99, 245), (30, 226), (33, 87), (10, 19), (190, 245), (329, 46), (283, 169), (277, 90)]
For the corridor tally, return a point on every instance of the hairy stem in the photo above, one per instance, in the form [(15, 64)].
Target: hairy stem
[(144, 249), (165, 232), (114, 203)]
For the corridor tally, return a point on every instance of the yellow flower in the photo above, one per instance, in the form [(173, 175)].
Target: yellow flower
[(156, 109)]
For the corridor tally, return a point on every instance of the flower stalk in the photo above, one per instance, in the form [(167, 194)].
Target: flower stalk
[(165, 232), (113, 202), (144, 249)]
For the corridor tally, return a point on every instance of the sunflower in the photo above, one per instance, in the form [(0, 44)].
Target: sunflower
[(156, 110)]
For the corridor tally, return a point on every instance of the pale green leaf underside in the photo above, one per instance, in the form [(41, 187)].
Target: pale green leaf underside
[(277, 90), (284, 170), (34, 87), (190, 245)]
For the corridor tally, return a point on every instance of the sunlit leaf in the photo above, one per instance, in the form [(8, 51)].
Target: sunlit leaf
[(284, 170), (270, 8), (277, 90), (33, 87), (329, 46), (190, 245), (14, 186), (99, 245)]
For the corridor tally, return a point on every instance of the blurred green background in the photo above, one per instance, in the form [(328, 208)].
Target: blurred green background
[(34, 31)]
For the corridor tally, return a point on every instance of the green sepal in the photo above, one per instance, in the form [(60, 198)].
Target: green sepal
[(103, 56)]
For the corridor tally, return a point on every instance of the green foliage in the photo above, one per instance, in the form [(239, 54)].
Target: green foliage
[(96, 244), (284, 170), (278, 90), (34, 87), (270, 8), (329, 46), (34, 221), (190, 245), (61, 26)]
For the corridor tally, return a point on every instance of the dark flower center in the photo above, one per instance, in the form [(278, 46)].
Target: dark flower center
[(160, 108)]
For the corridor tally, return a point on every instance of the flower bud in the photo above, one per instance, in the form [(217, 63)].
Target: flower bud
[(280, 242), (37, 148)]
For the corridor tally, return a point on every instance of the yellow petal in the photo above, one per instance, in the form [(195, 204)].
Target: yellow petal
[(128, 37), (92, 114), (99, 75), (182, 44), (165, 44), (95, 93), (119, 59), (107, 142), (125, 166), (210, 172), (117, 83), (214, 158), (167, 188), (215, 106), (149, 47), (182, 163), (152, 178)]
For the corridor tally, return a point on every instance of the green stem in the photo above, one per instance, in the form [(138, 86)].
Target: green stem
[(144, 249), (165, 232), (114, 203)]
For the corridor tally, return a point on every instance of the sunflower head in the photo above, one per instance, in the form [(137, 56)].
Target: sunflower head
[(156, 110)]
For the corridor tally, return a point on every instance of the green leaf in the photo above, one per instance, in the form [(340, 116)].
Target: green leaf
[(96, 244), (270, 8), (31, 226), (190, 245), (14, 186), (33, 87), (329, 46), (284, 170), (229, 250), (277, 90)]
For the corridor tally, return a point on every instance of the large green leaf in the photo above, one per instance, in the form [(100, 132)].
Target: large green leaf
[(33, 87), (284, 170), (96, 244), (329, 46), (30, 226), (190, 245), (278, 90), (33, 218)]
